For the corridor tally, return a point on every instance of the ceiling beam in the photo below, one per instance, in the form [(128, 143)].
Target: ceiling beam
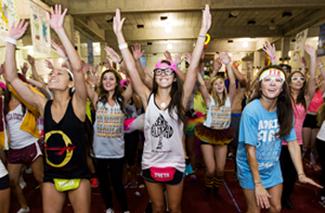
[(91, 27), (192, 33), (303, 22), (80, 7)]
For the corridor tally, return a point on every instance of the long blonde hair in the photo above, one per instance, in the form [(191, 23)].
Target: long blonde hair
[(214, 94)]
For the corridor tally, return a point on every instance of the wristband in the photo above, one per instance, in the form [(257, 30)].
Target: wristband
[(11, 40), (123, 46), (202, 35), (301, 174)]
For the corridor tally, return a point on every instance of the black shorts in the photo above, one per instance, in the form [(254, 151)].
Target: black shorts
[(310, 121), (178, 177), (4, 182), (131, 147)]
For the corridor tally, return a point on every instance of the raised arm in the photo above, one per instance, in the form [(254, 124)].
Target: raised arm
[(238, 75), (191, 74), (226, 60), (311, 82), (203, 89), (55, 19), (10, 71), (269, 49), (137, 54), (137, 83)]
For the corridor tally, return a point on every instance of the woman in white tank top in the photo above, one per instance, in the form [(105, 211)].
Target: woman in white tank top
[(215, 134), (163, 161)]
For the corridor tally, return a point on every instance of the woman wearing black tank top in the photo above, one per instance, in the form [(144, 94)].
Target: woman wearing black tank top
[(64, 118)]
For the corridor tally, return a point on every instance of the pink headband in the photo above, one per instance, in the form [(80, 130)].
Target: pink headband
[(162, 65), (3, 85)]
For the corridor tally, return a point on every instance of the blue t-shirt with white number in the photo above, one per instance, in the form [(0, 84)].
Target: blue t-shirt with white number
[(259, 128)]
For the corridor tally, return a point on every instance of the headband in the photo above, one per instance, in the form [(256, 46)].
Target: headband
[(162, 65), (272, 72)]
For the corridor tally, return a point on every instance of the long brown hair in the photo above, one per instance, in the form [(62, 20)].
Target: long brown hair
[(321, 114), (283, 104), (214, 94), (301, 95), (176, 94), (102, 96)]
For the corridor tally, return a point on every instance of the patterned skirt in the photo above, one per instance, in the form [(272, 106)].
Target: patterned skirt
[(214, 136)]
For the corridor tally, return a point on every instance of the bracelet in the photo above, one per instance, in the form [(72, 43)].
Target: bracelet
[(202, 35), (120, 61), (11, 40), (301, 174), (123, 46)]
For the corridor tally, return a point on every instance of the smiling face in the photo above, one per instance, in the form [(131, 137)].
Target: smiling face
[(271, 86), (218, 85), (109, 81), (297, 81), (60, 79), (164, 76)]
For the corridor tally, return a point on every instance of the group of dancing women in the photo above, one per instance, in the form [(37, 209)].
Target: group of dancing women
[(83, 116)]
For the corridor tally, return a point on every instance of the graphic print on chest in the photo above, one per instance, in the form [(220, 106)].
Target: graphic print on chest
[(160, 129)]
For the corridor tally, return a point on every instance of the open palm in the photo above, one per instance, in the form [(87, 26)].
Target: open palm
[(118, 22), (18, 30), (56, 17)]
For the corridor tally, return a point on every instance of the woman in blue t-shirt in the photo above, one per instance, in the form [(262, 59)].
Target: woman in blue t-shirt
[(265, 121)]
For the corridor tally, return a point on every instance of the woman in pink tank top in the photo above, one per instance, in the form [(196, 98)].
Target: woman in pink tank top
[(302, 94)]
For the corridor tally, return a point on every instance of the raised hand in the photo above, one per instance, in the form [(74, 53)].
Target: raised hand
[(168, 56), (31, 60), (269, 49), (118, 22), (137, 51), (188, 57), (224, 58), (112, 54), (24, 68), (59, 49), (56, 17), (49, 64), (17, 30), (206, 20), (310, 50)]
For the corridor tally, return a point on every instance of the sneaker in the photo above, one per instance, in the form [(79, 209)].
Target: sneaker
[(109, 210), (22, 182), (23, 210), (28, 170), (94, 182)]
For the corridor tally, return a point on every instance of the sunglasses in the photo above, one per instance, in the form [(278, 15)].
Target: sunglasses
[(298, 78), (166, 71)]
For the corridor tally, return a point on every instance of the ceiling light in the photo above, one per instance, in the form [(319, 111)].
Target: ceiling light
[(245, 44), (168, 28), (233, 14)]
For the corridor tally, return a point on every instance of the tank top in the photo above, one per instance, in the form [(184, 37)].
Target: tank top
[(18, 138), (163, 145), (65, 145), (316, 102), (299, 113), (3, 170), (218, 117), (108, 131)]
